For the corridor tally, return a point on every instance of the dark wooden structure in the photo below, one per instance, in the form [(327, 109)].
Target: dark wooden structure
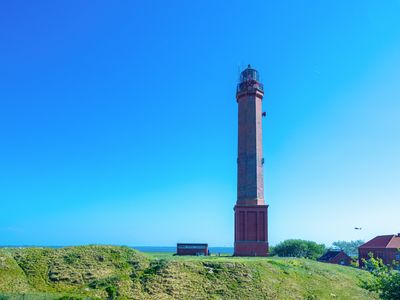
[(385, 247), (191, 249), (336, 257)]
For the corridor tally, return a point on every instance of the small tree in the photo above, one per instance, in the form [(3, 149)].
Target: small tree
[(299, 248), (351, 248), (386, 279)]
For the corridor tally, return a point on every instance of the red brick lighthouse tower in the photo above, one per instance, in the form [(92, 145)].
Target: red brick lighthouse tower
[(251, 235)]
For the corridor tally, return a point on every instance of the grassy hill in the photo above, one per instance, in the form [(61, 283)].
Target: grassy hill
[(108, 271)]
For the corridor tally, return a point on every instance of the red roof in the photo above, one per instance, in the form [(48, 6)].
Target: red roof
[(395, 242), (383, 241), (331, 254)]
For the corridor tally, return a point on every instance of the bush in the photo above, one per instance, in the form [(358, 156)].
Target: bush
[(385, 281), (69, 298), (111, 292), (299, 248)]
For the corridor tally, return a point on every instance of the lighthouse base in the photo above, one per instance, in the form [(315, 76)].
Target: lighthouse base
[(251, 230)]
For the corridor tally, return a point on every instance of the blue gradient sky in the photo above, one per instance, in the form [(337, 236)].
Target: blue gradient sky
[(118, 119)]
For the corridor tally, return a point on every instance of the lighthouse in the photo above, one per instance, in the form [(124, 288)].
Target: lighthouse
[(251, 218)]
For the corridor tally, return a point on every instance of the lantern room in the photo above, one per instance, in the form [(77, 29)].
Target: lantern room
[(249, 79)]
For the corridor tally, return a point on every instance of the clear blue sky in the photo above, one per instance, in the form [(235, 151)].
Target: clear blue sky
[(118, 119)]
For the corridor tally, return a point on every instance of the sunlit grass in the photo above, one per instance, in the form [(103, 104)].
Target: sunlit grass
[(91, 271)]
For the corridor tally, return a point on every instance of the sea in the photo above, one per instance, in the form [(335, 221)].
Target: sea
[(213, 250)]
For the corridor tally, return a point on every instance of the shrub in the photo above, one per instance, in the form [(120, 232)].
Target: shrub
[(111, 292), (69, 298), (299, 248), (385, 281)]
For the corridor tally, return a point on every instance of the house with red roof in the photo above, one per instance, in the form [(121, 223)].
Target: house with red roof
[(386, 247), (336, 257)]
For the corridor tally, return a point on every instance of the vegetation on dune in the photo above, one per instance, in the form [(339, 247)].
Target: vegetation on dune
[(86, 271), (385, 280), (106, 272)]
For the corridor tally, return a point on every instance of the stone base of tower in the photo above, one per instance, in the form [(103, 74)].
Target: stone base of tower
[(251, 230), (251, 249)]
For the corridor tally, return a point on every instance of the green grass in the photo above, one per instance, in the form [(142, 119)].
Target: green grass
[(159, 254), (97, 271)]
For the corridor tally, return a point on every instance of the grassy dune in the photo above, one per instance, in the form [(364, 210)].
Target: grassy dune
[(107, 272)]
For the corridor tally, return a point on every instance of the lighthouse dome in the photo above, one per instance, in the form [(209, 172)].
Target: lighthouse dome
[(249, 74), (249, 81)]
